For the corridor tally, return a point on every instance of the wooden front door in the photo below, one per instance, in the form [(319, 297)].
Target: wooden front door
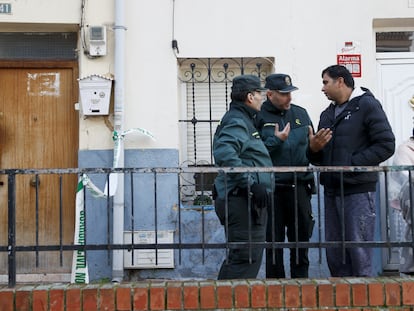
[(39, 129)]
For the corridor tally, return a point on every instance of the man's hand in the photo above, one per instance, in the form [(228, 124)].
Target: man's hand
[(282, 135), (259, 195), (320, 139)]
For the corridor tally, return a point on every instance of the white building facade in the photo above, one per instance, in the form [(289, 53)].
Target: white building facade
[(147, 48)]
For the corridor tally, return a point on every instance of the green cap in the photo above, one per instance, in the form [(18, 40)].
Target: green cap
[(247, 83), (280, 82)]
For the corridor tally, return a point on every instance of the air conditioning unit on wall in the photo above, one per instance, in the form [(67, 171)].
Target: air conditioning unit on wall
[(149, 258)]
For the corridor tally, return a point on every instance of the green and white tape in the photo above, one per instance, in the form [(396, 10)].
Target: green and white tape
[(118, 137), (113, 177), (80, 273)]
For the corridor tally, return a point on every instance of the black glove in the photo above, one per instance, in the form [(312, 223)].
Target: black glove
[(259, 193)]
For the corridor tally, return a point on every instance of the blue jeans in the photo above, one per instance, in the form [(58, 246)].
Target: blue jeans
[(357, 217)]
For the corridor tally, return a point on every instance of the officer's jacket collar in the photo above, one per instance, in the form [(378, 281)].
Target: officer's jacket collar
[(268, 106), (244, 108)]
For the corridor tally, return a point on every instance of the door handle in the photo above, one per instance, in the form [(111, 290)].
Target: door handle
[(34, 180)]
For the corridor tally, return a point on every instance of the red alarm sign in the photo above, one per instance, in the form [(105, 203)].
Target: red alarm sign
[(352, 62)]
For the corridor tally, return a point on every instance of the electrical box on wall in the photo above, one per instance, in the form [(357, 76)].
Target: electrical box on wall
[(149, 258), (97, 40), (95, 95)]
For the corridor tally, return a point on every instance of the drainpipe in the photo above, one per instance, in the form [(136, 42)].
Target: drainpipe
[(119, 96)]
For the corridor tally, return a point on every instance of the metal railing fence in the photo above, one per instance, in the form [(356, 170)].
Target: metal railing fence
[(10, 246)]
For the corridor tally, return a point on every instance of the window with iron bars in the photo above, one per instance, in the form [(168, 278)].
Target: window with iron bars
[(205, 97)]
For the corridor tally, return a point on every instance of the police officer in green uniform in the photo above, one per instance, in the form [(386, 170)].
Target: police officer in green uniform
[(241, 199), (285, 129)]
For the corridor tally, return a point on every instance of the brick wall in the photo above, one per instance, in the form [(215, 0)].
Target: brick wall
[(312, 294)]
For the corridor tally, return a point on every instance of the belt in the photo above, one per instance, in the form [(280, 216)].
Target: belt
[(292, 184), (285, 185), (239, 192)]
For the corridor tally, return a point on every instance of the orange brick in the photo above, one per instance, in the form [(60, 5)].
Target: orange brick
[(107, 299), (258, 291), (376, 294), (325, 292), (90, 299), (224, 295), (191, 296), (343, 294), (73, 299), (241, 295), (207, 296), (408, 293), (359, 295), (309, 299), (351, 294), (292, 299), (392, 294), (123, 299), (6, 300), (275, 295), (141, 297), (40, 300), (22, 299), (56, 299), (157, 297), (174, 296)]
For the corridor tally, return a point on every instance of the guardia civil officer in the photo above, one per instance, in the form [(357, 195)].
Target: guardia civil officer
[(241, 198), (285, 128)]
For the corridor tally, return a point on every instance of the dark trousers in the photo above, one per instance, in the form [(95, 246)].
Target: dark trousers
[(240, 263), (291, 217), (354, 216)]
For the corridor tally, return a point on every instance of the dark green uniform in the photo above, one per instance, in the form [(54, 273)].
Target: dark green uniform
[(237, 143), (292, 207)]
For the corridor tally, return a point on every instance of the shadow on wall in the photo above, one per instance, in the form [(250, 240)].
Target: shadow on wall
[(197, 264)]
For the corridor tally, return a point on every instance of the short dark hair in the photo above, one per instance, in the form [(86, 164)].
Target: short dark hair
[(337, 71), (239, 96)]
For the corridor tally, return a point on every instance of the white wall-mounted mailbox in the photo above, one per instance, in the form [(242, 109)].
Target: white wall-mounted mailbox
[(95, 95)]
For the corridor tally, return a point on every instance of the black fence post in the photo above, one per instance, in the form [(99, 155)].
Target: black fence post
[(11, 180)]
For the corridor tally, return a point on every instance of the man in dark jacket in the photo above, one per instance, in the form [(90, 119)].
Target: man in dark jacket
[(361, 136), (284, 128), (241, 199)]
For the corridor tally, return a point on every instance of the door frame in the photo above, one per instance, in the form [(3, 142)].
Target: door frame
[(46, 64), (384, 59)]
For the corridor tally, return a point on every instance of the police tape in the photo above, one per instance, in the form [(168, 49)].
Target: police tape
[(113, 177), (80, 274), (111, 183)]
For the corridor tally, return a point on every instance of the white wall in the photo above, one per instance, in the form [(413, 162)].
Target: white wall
[(42, 11), (303, 36), (150, 75)]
